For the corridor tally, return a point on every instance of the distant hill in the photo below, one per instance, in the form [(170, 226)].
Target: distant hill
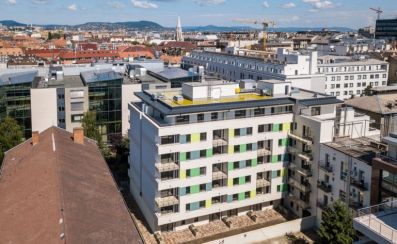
[(149, 25), (214, 28), (10, 23)]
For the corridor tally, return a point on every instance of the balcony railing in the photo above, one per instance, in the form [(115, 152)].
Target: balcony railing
[(322, 205), (264, 152), (163, 167), (219, 175), (262, 182), (166, 201), (324, 186), (302, 186), (360, 184), (371, 219), (304, 204), (326, 167), (305, 139)]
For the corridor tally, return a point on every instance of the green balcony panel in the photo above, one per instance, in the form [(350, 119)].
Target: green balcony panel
[(241, 196), (195, 172), (209, 153), (195, 189), (182, 156), (283, 142), (241, 180), (230, 166), (254, 162), (284, 188), (275, 159), (243, 148), (276, 127)]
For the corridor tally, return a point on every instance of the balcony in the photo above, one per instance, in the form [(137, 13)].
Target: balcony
[(264, 152), (262, 182), (326, 167), (302, 186), (218, 141), (378, 222), (322, 205), (355, 205), (300, 202), (304, 139), (303, 170), (359, 184), (306, 155), (164, 167), (166, 201), (218, 175), (326, 187)]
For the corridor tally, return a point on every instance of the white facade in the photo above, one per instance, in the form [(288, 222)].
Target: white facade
[(44, 108), (194, 170), (300, 70), (347, 78)]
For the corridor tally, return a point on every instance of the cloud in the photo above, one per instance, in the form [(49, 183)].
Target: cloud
[(265, 4), (319, 4), (39, 1), (116, 4), (72, 7), (209, 2), (289, 5), (12, 2), (143, 4)]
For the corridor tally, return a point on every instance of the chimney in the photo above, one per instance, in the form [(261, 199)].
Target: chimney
[(35, 138), (78, 135)]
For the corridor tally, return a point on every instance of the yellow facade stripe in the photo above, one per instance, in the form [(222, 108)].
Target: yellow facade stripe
[(182, 174)]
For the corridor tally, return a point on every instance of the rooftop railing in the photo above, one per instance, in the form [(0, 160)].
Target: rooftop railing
[(370, 217)]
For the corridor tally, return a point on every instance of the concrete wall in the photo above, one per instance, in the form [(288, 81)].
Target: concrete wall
[(71, 98), (127, 96), (269, 232), (44, 108)]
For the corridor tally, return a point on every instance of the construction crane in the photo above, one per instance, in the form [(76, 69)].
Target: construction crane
[(265, 27), (378, 11)]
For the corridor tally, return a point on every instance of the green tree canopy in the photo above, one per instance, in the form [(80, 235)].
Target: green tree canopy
[(337, 224), (368, 91), (11, 134), (90, 127)]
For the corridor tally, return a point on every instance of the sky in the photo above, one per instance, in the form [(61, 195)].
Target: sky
[(286, 13)]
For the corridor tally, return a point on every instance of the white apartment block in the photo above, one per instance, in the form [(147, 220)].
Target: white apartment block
[(342, 77), (346, 77), (209, 151), (300, 70)]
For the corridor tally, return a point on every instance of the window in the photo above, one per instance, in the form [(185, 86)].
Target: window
[(77, 94), (203, 136), (384, 75), (214, 116), (60, 109), (351, 84), (236, 132), (183, 119), (359, 77), (352, 77), (235, 181), (249, 147), (346, 85), (236, 165), (249, 131), (346, 77), (337, 85), (169, 139), (203, 153), (77, 106), (364, 77), (200, 117), (203, 187), (77, 117), (264, 128), (316, 111), (237, 148), (358, 84), (240, 114)]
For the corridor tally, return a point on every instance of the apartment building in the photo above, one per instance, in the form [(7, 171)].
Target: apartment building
[(63, 100), (347, 77), (15, 97), (208, 151), (342, 77), (299, 69), (345, 172)]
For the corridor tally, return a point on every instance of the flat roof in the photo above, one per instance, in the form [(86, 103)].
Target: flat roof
[(167, 98), (12, 77), (59, 186), (174, 73), (100, 75), (363, 148)]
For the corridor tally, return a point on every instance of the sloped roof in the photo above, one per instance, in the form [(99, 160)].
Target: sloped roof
[(381, 104), (58, 186)]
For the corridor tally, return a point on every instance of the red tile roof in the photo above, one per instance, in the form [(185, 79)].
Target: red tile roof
[(58, 186)]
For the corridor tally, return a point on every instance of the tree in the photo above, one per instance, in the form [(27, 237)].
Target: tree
[(368, 91), (11, 134), (337, 224), (90, 127), (49, 35)]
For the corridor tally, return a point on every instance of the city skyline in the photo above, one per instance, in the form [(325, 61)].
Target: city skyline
[(287, 13)]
